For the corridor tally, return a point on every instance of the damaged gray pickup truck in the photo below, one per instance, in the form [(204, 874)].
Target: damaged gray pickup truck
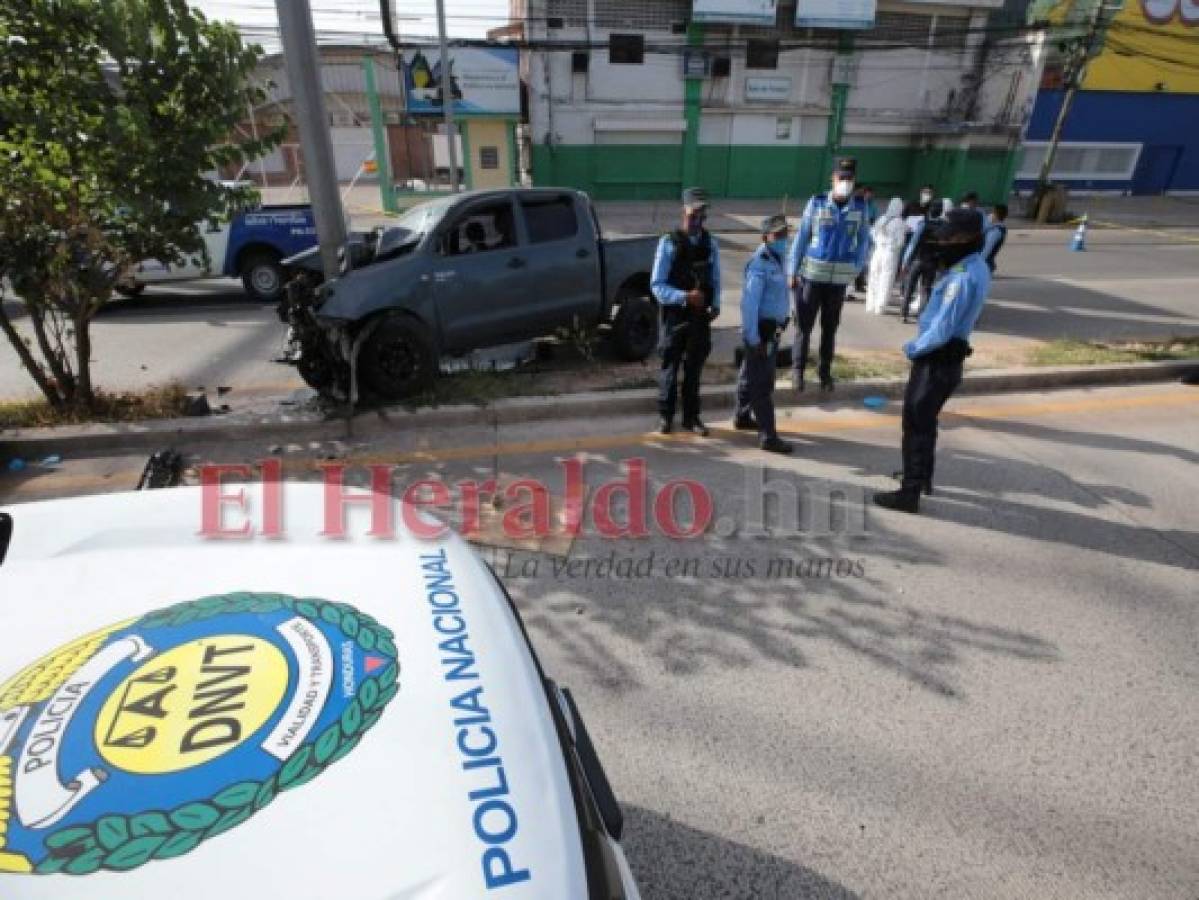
[(461, 273)]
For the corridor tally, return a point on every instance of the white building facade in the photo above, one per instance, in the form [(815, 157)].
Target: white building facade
[(631, 99)]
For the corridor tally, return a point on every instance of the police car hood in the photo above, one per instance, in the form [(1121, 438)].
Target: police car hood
[(182, 717)]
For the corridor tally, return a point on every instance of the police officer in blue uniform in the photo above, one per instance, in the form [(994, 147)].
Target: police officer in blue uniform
[(994, 235), (686, 282), (918, 268), (828, 252), (764, 307), (939, 349)]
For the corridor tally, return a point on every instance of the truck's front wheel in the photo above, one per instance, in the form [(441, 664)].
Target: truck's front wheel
[(398, 359), (262, 275), (635, 328)]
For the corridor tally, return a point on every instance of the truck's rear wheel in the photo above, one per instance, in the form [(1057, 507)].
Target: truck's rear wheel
[(262, 275), (397, 360), (635, 328)]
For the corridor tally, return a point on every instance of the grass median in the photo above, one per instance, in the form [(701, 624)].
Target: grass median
[(166, 402), (568, 372)]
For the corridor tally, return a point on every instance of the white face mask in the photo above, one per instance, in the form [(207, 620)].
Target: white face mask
[(842, 188), (925, 197)]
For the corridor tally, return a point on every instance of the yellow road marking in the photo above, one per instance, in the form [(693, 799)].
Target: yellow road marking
[(64, 482)]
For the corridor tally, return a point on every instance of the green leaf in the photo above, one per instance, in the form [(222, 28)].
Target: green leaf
[(112, 831), (327, 744), (386, 646), (369, 693), (351, 718), (135, 852), (229, 819), (195, 816), (267, 792), (294, 766), (237, 795), (86, 863), (68, 837), (149, 823), (179, 843)]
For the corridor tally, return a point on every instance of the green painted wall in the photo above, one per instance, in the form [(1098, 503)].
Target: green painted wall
[(655, 172)]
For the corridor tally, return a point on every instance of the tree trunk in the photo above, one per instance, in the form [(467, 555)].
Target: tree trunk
[(83, 357), (36, 372), (62, 378)]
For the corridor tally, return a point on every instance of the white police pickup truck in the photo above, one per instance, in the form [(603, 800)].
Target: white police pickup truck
[(299, 718), (250, 246)]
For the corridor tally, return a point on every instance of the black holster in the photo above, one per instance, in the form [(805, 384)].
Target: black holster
[(953, 352)]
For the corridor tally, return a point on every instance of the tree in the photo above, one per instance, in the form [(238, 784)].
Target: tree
[(111, 111)]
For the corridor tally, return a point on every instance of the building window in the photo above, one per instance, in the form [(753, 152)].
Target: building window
[(1082, 161), (762, 54), (904, 28), (950, 32), (489, 157), (782, 129), (626, 49)]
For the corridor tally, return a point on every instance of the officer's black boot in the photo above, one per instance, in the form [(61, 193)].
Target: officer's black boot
[(926, 488), (826, 380), (906, 499), (696, 426), (775, 444), (745, 422), (665, 426)]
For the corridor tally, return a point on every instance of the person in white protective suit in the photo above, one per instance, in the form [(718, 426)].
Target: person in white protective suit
[(888, 237)]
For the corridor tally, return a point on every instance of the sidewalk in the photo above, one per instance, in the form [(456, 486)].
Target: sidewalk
[(734, 216)]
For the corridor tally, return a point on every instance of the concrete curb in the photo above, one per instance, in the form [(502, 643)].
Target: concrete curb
[(33, 444)]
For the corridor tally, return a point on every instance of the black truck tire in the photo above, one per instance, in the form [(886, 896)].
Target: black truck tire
[(262, 275), (635, 329), (397, 360)]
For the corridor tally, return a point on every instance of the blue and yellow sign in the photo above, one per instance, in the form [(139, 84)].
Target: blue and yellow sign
[(1151, 45), (141, 741)]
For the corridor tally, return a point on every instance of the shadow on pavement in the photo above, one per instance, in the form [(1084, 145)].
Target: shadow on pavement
[(1031, 307), (782, 600), (672, 861)]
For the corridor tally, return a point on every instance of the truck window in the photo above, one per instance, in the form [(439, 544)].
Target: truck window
[(549, 218), (481, 230)]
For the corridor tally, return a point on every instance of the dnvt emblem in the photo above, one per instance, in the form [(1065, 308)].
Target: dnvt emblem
[(143, 740)]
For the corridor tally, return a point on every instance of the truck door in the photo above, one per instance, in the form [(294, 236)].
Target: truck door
[(564, 262), (215, 233), (479, 276)]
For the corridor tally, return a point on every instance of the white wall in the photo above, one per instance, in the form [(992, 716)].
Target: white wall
[(892, 93)]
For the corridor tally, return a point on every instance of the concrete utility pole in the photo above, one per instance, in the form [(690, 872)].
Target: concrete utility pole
[(308, 99), (447, 96), (1077, 67)]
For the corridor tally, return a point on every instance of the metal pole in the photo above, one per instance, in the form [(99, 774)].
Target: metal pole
[(379, 128), (308, 99), (447, 97)]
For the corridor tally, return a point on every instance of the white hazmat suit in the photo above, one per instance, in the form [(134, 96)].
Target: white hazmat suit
[(888, 235)]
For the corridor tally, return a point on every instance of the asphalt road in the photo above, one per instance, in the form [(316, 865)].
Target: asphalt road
[(1130, 284), (995, 699)]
